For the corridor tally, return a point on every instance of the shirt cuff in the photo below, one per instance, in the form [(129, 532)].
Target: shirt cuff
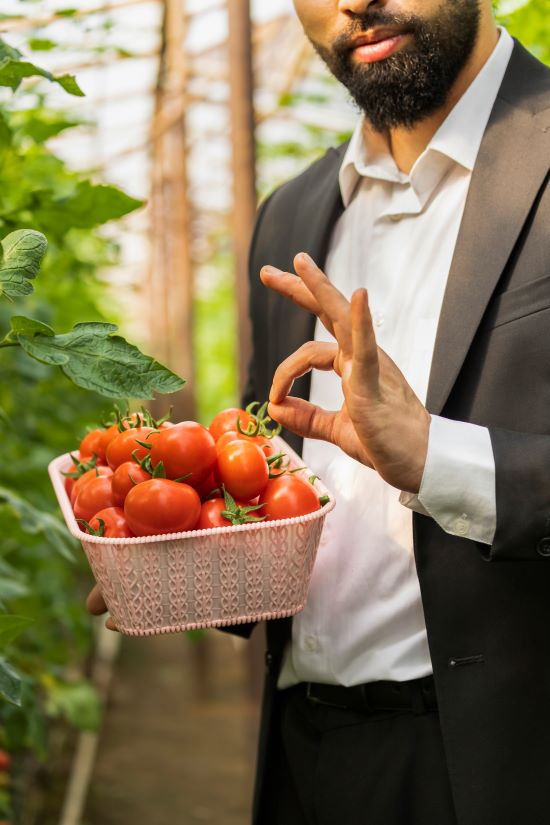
[(458, 483)]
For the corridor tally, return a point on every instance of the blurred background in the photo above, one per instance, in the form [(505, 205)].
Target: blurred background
[(192, 111)]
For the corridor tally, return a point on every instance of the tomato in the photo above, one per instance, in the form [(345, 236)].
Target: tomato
[(102, 470), (162, 506), (121, 448), (232, 435), (243, 469), (91, 445), (186, 448), (126, 476), (227, 420), (115, 524), (211, 514), (288, 496), (208, 486), (5, 761), (95, 495)]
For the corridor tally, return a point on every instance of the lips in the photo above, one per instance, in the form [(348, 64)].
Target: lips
[(376, 44)]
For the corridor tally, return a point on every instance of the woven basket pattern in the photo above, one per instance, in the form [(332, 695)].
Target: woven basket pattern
[(202, 578)]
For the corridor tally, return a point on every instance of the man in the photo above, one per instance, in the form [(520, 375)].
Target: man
[(415, 686)]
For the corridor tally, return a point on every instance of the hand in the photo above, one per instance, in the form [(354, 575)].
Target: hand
[(382, 423), (95, 605)]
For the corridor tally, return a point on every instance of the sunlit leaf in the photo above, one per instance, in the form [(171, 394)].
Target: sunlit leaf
[(96, 359), (20, 255)]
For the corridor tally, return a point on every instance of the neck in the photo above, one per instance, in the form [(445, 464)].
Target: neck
[(406, 145)]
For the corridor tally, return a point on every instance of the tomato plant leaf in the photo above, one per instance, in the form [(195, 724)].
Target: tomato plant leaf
[(93, 358), (14, 70), (11, 626), (34, 521), (10, 683), (21, 325), (20, 255), (87, 206)]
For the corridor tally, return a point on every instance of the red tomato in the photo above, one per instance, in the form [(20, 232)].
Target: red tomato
[(211, 514), (242, 467), (161, 506), (185, 448), (126, 476), (70, 482), (5, 761), (115, 524), (121, 448), (227, 420), (102, 470), (288, 496), (207, 487), (91, 445), (232, 435), (94, 496)]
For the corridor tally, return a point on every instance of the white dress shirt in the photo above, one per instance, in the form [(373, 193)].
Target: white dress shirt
[(364, 619)]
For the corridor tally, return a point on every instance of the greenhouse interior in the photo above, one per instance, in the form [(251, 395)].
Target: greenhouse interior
[(137, 140)]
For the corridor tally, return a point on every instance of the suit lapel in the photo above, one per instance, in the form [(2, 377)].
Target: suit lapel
[(319, 208), (512, 163)]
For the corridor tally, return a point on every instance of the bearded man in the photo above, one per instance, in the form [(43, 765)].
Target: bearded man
[(414, 689)]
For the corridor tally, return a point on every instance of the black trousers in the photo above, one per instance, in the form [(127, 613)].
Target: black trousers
[(340, 767)]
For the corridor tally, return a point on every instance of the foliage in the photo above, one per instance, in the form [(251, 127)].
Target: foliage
[(45, 633)]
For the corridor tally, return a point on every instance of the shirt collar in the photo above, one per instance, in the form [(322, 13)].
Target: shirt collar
[(458, 138)]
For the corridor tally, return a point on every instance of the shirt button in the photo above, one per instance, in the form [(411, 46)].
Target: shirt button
[(543, 547), (462, 526), (311, 644)]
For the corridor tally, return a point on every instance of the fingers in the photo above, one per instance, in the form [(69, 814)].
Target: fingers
[(326, 295), (303, 418), (95, 603), (310, 355), (364, 363), (290, 286)]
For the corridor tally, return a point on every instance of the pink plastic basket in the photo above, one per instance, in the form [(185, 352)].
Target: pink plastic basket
[(202, 578)]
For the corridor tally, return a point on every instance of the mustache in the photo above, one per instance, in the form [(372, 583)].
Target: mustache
[(371, 19)]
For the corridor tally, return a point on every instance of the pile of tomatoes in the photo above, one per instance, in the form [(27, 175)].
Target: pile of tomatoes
[(141, 477)]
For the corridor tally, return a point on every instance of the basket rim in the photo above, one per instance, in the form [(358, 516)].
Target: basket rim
[(55, 469)]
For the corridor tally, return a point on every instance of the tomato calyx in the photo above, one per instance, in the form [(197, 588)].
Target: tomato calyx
[(81, 466), (239, 514), (324, 500), (100, 532), (278, 465), (261, 422), (129, 421)]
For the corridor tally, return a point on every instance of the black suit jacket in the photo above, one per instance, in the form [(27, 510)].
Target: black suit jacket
[(487, 609)]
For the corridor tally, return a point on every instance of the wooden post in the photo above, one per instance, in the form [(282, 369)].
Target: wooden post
[(243, 161), (171, 283)]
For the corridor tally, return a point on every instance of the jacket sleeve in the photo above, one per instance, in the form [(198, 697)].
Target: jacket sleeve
[(522, 483)]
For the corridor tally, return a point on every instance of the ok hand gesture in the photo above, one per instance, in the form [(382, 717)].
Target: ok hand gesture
[(382, 423)]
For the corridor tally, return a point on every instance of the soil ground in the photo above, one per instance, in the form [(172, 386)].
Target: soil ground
[(177, 744)]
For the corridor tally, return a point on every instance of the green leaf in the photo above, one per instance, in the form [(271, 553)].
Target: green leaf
[(34, 521), (89, 205), (10, 683), (41, 44), (14, 70), (11, 626), (78, 702), (93, 358), (20, 255), (28, 327), (8, 52)]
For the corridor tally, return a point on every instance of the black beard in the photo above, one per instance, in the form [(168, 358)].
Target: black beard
[(414, 82)]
